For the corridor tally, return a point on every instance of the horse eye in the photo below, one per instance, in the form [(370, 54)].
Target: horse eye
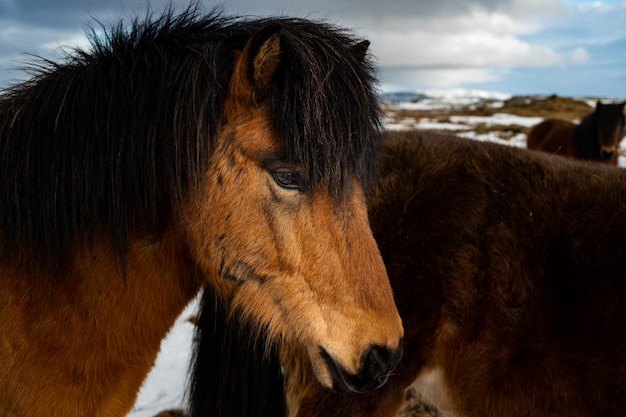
[(287, 179)]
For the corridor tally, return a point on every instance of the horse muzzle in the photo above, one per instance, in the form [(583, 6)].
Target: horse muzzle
[(376, 364)]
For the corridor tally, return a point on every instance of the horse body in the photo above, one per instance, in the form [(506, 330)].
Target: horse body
[(164, 160), (554, 136), (596, 138), (508, 271)]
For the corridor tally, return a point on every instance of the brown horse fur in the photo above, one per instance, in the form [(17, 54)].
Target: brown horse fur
[(164, 160), (509, 272), (596, 138)]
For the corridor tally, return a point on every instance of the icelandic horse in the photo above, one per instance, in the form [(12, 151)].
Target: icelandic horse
[(596, 138), (183, 150), (509, 271)]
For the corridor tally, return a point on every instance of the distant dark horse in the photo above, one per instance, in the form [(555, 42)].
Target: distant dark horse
[(181, 151), (596, 138), (509, 272)]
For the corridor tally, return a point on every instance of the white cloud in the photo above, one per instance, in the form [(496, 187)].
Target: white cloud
[(476, 19), (477, 40), (40, 40), (599, 6), (402, 79), (579, 56), (460, 50), (535, 7), (66, 42)]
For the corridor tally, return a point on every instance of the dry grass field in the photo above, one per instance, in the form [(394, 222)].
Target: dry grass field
[(523, 106)]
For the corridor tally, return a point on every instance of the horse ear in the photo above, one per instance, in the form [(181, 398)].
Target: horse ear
[(599, 104), (360, 49), (256, 65)]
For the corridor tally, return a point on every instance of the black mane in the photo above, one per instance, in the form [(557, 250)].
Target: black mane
[(232, 373), (111, 138)]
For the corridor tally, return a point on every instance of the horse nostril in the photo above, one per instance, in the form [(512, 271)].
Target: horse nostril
[(376, 364)]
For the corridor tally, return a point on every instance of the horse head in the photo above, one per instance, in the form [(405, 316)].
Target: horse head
[(291, 251), (611, 129)]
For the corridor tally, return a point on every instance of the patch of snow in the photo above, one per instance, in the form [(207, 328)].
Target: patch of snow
[(164, 387), (444, 98), (497, 119), (518, 140), (464, 94)]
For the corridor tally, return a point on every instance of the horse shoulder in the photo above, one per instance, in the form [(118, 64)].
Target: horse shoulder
[(85, 339)]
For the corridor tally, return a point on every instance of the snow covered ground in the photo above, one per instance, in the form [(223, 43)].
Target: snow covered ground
[(464, 125), (164, 387)]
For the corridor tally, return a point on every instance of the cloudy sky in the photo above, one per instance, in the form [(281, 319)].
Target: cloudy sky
[(567, 47)]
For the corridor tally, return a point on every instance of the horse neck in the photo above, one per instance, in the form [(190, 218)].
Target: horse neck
[(152, 286), (586, 138), (97, 319)]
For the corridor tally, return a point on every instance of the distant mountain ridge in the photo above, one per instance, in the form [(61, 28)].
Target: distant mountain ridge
[(445, 98), (402, 97), (446, 94), (466, 97)]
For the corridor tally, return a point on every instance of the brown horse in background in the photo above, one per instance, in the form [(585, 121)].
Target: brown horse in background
[(187, 150), (596, 138), (509, 271)]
